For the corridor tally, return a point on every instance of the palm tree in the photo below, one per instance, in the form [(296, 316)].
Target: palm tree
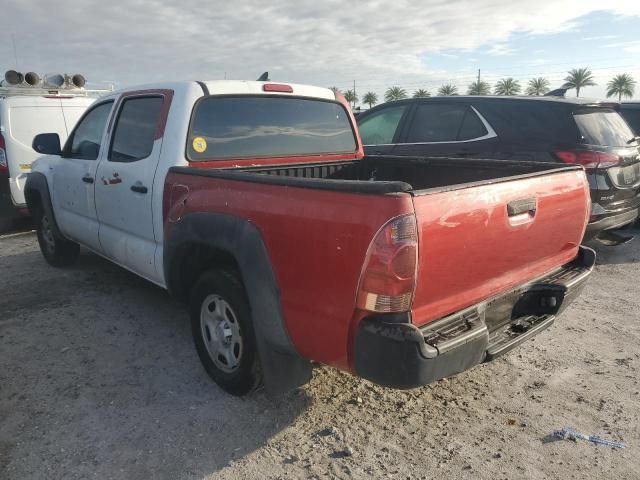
[(448, 90), (578, 78), (421, 92), (370, 99), (507, 86), (351, 97), (479, 88), (394, 93), (538, 86), (622, 85), (334, 89)]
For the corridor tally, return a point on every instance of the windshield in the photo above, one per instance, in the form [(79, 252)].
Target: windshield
[(599, 126), (268, 126)]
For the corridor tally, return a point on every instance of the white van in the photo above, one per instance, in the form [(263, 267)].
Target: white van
[(24, 113)]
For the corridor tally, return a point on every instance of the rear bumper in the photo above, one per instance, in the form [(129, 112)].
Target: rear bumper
[(610, 222), (392, 352)]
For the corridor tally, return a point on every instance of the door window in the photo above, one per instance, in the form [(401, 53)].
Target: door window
[(135, 129), (380, 127), (84, 142), (434, 122), (472, 127)]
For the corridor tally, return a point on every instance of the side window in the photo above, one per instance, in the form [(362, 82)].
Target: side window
[(472, 126), (84, 142), (434, 122), (135, 129), (381, 127)]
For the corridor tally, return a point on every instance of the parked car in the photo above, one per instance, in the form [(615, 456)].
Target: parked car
[(25, 112), (631, 113), (252, 202), (539, 129)]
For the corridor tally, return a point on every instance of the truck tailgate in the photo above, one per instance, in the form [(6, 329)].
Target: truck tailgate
[(480, 240)]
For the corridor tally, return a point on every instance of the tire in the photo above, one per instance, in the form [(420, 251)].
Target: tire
[(57, 251), (223, 332)]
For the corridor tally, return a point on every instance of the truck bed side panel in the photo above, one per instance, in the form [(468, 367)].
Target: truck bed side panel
[(471, 249), (317, 241)]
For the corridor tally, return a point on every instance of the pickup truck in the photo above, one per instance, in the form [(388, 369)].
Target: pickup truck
[(253, 203)]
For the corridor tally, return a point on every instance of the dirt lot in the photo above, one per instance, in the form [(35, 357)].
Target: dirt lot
[(99, 379)]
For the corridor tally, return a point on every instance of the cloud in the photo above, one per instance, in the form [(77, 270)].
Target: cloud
[(632, 46), (500, 49), (325, 43), (600, 37)]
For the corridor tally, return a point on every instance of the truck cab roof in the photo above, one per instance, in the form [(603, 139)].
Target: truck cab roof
[(237, 87)]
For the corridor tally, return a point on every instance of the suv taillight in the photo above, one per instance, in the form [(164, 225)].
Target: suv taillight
[(589, 158), (388, 279), (4, 166)]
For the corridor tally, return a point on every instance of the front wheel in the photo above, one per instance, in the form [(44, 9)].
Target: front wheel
[(223, 331), (57, 251)]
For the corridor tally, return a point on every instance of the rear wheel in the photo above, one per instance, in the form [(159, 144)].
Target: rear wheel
[(223, 331), (58, 251)]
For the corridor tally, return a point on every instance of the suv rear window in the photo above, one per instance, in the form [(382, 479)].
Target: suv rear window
[(601, 126), (268, 126), (632, 116)]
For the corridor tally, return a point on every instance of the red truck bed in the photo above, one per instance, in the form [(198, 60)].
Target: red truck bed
[(501, 225)]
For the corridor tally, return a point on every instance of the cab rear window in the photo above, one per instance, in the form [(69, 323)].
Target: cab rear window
[(267, 126), (600, 126)]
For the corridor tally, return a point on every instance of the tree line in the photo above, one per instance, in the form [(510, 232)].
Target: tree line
[(622, 85)]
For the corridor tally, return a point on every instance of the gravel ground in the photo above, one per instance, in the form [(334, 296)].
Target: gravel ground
[(99, 379)]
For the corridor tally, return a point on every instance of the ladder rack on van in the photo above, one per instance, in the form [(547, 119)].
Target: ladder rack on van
[(13, 91)]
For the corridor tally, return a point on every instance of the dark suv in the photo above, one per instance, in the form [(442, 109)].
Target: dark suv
[(539, 129), (631, 113)]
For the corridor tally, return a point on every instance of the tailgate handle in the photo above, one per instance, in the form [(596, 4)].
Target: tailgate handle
[(524, 205)]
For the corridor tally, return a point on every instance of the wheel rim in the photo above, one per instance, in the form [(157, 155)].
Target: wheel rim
[(47, 234), (221, 333)]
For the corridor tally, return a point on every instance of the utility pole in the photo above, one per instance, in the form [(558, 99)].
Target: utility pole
[(354, 94), (478, 76)]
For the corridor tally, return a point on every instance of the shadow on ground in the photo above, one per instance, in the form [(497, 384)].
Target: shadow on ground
[(100, 379), (620, 254)]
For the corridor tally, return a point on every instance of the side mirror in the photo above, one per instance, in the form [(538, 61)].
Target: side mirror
[(47, 144)]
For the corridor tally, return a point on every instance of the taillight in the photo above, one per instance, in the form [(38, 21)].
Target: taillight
[(4, 166), (589, 158), (277, 87), (388, 279)]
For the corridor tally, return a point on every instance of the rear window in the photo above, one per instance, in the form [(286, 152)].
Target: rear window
[(632, 116), (600, 126), (267, 126)]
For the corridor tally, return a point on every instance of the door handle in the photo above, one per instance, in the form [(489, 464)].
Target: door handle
[(524, 205), (139, 188), (87, 179)]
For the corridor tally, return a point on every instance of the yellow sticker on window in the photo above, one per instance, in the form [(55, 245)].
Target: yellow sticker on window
[(199, 144)]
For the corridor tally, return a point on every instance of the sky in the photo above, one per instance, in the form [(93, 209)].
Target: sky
[(377, 44)]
